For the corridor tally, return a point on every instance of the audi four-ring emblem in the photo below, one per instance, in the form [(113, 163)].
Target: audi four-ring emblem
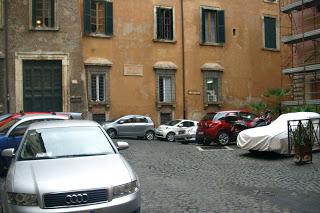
[(76, 199)]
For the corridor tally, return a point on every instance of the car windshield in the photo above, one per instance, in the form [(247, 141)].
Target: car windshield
[(5, 116), (173, 122), (64, 142), (4, 129)]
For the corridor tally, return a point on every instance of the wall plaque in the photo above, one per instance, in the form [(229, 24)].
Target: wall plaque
[(193, 92), (133, 69)]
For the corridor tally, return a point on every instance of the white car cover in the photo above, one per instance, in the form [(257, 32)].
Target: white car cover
[(273, 137)]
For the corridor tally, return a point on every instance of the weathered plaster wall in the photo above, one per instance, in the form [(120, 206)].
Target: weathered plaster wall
[(67, 39)]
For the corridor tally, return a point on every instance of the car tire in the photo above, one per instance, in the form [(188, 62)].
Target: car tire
[(112, 133), (170, 137), (149, 135), (223, 138), (206, 142)]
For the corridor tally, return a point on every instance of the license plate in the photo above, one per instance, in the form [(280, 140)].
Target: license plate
[(200, 133)]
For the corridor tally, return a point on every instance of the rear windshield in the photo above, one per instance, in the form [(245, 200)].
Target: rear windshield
[(214, 116)]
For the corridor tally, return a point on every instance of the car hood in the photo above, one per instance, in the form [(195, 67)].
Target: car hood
[(68, 174), (266, 138)]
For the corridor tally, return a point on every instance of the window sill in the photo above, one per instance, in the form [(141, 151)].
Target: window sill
[(94, 103), (211, 44), (271, 49), (218, 104), (164, 41), (44, 29), (97, 35), (271, 2), (162, 104)]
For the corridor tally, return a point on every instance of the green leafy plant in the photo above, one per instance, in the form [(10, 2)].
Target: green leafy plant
[(258, 107), (303, 134), (277, 94)]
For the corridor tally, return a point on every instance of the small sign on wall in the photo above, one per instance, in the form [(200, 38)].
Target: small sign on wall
[(193, 92), (133, 69)]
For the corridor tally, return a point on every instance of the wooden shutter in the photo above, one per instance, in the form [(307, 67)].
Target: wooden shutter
[(34, 13), (109, 18), (220, 27), (203, 27), (86, 12), (159, 23), (171, 25), (270, 32), (52, 21)]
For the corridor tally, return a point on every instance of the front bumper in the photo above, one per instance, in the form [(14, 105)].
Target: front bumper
[(126, 204), (185, 137)]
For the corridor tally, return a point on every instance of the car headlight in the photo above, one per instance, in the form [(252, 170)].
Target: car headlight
[(22, 199), (125, 189)]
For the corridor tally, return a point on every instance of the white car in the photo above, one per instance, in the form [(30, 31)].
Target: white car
[(273, 137), (172, 130)]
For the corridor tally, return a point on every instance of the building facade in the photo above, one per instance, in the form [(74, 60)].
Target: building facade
[(166, 59)]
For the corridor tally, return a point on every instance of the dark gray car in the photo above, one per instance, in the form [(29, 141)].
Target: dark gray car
[(130, 126)]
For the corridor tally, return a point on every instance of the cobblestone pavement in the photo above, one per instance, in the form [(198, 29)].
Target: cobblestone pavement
[(181, 178)]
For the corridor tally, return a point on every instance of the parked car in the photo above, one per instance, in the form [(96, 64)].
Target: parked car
[(218, 126), (69, 166), (273, 137), (130, 126), (11, 133), (177, 129)]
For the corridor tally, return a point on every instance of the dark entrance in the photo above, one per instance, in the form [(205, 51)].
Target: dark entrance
[(42, 85)]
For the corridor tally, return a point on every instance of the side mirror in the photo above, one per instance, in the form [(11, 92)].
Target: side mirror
[(120, 122), (122, 145), (8, 153), (180, 125)]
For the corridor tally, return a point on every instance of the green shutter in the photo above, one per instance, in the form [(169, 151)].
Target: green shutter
[(203, 27), (52, 24), (220, 27), (86, 9), (171, 27), (270, 35), (34, 13), (159, 26), (109, 18)]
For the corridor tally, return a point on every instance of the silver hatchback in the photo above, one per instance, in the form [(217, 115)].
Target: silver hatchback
[(69, 166), (130, 126)]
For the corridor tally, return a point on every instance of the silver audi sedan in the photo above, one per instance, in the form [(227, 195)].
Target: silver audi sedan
[(69, 166)]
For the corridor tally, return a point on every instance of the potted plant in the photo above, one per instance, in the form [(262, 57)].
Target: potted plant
[(303, 142)]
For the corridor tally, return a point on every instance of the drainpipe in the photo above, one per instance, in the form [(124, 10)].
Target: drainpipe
[(183, 63), (6, 53)]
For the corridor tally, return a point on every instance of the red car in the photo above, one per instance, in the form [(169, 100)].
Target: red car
[(5, 118), (218, 126)]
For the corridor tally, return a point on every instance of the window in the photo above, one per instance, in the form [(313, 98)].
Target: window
[(212, 87), (166, 86), (98, 84), (212, 25), (165, 117), (270, 32), (98, 17), (100, 118), (1, 14), (43, 14), (164, 24)]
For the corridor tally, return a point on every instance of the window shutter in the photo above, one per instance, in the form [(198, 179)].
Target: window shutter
[(171, 25), (158, 23), (109, 18), (34, 13), (270, 32), (52, 22), (220, 27), (203, 27), (86, 8)]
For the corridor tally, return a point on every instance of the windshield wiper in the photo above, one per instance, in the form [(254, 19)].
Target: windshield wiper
[(81, 155)]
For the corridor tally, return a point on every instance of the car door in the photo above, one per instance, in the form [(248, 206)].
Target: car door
[(140, 126), (124, 126)]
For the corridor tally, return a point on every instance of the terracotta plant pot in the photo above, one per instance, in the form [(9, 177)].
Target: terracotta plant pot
[(303, 154)]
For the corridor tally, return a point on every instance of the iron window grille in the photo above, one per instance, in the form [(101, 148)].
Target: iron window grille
[(98, 17), (100, 118), (212, 26), (165, 117), (212, 87), (98, 84), (164, 24), (43, 13), (166, 86)]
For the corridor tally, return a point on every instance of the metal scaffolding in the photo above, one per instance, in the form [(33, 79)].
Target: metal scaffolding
[(300, 35)]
